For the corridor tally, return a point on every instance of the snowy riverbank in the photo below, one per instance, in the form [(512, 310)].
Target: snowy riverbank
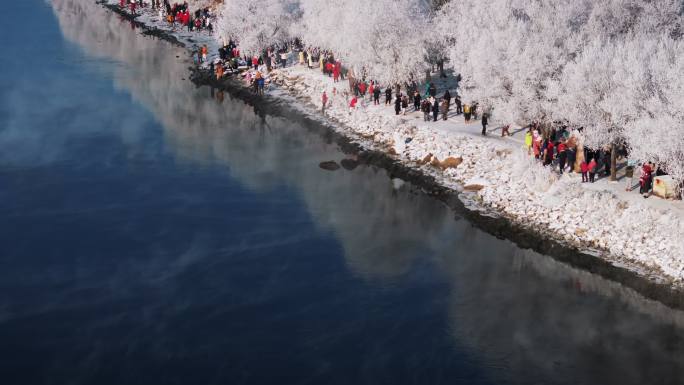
[(642, 235), (625, 229)]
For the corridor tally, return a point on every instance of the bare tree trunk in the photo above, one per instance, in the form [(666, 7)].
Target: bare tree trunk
[(613, 162)]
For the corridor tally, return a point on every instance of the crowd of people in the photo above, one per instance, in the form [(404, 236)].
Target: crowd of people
[(553, 145), (175, 14), (179, 14), (556, 147)]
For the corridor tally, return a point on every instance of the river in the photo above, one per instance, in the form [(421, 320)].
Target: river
[(153, 232)]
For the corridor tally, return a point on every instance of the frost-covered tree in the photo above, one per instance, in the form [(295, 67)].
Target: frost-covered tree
[(590, 62), (257, 24), (383, 38), (657, 132), (509, 51), (611, 66)]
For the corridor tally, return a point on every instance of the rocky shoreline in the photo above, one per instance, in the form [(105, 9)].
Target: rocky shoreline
[(501, 226)]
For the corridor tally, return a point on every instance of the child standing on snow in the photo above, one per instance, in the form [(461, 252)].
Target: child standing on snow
[(592, 170), (584, 167)]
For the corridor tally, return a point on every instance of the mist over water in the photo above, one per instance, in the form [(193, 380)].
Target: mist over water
[(154, 232)]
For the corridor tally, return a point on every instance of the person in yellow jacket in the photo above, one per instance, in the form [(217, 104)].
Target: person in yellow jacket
[(528, 141), (466, 113), (321, 62), (301, 57)]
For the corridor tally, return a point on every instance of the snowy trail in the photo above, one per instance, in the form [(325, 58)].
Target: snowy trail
[(623, 228)]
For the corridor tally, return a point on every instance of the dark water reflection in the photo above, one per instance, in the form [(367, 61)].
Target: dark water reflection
[(154, 234)]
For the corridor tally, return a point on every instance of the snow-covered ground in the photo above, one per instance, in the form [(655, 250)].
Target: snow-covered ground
[(641, 234)]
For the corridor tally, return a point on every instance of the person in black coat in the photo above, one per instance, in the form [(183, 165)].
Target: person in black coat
[(447, 97), (435, 110), (376, 96), (485, 121), (397, 104), (606, 161), (416, 100), (388, 95), (432, 90), (459, 106)]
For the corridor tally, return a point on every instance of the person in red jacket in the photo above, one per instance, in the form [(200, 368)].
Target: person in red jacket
[(362, 88), (352, 104), (592, 170), (255, 62), (336, 72), (584, 167), (328, 68), (548, 153), (646, 178)]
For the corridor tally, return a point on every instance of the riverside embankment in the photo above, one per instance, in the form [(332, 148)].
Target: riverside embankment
[(534, 207)]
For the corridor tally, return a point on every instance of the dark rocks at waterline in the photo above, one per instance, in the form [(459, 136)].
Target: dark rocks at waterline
[(330, 165), (349, 164)]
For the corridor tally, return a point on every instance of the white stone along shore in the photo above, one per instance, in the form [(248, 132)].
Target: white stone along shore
[(494, 174)]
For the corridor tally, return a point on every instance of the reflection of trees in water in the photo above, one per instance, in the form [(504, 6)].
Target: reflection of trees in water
[(379, 234), (536, 312), (512, 304)]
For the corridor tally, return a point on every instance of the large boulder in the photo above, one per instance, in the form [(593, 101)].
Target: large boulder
[(473, 187), (451, 162), (425, 159), (330, 165)]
